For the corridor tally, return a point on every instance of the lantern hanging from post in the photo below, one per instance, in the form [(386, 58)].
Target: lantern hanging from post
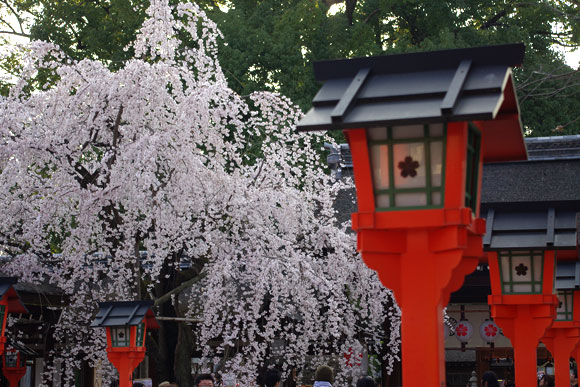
[(127, 323), (14, 366), (9, 303), (489, 331), (419, 127), (463, 331)]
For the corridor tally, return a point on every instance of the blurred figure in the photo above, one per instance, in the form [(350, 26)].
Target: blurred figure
[(324, 376), (204, 380), (272, 378), (366, 381), (489, 379), (547, 381)]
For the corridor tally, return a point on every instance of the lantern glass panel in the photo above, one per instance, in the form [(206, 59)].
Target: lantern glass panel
[(565, 305), (11, 359), (380, 158), (383, 201), (436, 163), (378, 134), (140, 335), (120, 336), (408, 131), (410, 160), (436, 198), (411, 199), (407, 166), (521, 271)]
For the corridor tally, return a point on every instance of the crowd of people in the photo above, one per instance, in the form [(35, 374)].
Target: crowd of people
[(489, 379), (323, 377)]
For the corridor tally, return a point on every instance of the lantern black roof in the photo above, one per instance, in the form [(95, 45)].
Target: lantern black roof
[(470, 84), (123, 313), (567, 275), (8, 292), (531, 205)]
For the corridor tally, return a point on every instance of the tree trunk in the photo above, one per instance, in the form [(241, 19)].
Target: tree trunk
[(183, 355)]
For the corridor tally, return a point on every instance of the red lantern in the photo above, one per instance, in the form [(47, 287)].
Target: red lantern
[(127, 323), (10, 303), (562, 337), (420, 127), (523, 303), (14, 367)]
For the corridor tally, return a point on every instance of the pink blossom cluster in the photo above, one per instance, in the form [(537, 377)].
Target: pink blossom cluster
[(162, 156)]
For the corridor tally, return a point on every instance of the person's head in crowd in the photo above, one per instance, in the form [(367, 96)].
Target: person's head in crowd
[(324, 374), (272, 378), (366, 381), (204, 380), (489, 379)]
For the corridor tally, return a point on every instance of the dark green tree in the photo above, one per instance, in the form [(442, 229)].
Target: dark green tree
[(272, 43)]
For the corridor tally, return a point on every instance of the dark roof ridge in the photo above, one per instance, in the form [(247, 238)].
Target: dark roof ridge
[(507, 54)]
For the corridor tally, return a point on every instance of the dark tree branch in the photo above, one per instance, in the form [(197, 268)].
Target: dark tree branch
[(369, 17), (15, 33), (167, 296), (493, 21)]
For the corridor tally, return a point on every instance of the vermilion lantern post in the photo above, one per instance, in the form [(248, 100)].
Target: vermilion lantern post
[(9, 303), (523, 303), (562, 337), (564, 334), (127, 323), (419, 128), (14, 367)]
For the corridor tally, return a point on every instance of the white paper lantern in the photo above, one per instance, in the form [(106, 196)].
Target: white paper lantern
[(489, 331), (463, 331)]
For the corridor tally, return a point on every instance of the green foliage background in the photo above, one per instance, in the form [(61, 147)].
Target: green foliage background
[(271, 44)]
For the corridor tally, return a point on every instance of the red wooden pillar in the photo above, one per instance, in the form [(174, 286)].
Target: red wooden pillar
[(523, 317), (563, 336), (422, 255)]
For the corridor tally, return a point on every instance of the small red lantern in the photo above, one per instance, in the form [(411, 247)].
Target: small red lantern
[(10, 303), (127, 323), (14, 367)]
